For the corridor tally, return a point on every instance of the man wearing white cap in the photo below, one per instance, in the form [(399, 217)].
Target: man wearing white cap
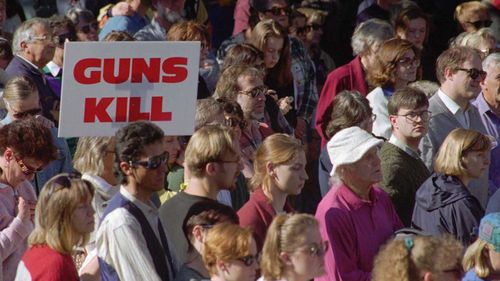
[(354, 214)]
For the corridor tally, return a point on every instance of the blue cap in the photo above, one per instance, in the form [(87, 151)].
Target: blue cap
[(489, 230)]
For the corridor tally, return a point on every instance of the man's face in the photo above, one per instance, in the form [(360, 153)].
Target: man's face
[(228, 169), (411, 123), (491, 84), (252, 106), (464, 85), (150, 180), (40, 49), (277, 10)]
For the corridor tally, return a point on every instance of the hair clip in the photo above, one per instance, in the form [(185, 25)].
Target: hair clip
[(409, 243)]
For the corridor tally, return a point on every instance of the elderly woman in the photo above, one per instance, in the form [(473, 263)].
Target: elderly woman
[(366, 41), (443, 203), (482, 40), (356, 216)]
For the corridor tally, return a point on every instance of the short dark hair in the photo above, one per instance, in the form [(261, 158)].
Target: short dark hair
[(29, 138), (207, 213), (130, 143), (406, 97)]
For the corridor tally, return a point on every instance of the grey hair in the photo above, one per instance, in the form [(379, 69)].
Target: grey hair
[(491, 61), (25, 33), (370, 33), (74, 15), (90, 153), (426, 86), (207, 111), (474, 39)]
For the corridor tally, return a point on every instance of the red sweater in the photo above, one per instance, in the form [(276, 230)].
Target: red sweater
[(347, 77), (42, 263)]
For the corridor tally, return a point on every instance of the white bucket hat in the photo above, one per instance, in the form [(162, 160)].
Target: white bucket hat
[(349, 145)]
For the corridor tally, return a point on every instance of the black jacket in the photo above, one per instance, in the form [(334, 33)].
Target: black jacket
[(444, 205)]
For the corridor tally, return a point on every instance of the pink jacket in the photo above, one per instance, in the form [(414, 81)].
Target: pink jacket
[(13, 231)]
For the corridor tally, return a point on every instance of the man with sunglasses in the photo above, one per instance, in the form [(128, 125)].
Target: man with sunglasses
[(460, 73), (33, 46), (131, 242)]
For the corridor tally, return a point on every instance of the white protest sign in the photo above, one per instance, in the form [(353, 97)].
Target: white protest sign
[(107, 85)]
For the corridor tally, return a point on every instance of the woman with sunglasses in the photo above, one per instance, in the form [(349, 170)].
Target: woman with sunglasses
[(230, 253), (472, 16), (279, 171), (396, 67), (64, 220), (26, 146), (443, 203), (85, 24), (293, 249)]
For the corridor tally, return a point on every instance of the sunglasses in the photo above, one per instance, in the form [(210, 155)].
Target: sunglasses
[(153, 162), (250, 259), (61, 38), (255, 92), (474, 73), (314, 27), (481, 23), (27, 169), (64, 180), (30, 112), (301, 30), (234, 122), (86, 28), (278, 11)]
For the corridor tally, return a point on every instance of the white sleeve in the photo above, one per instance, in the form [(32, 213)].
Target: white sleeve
[(22, 273), (120, 243)]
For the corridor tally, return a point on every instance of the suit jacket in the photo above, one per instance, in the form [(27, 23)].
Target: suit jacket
[(48, 99), (440, 125)]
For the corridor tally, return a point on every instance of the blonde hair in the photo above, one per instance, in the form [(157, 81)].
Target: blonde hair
[(474, 258), (278, 149), (90, 153), (209, 144), (54, 209), (474, 39), (18, 89), (405, 259), (464, 10), (457, 144), (226, 242), (286, 233)]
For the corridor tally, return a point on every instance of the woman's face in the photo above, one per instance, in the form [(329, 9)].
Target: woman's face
[(476, 163), (314, 33), (308, 260), (82, 217), (20, 169), (272, 51), (415, 32), (237, 270), (406, 67), (86, 30), (173, 147), (290, 177)]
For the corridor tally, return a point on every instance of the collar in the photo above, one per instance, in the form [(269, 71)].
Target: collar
[(145, 208), (100, 182), (27, 61), (354, 200), (481, 104), (53, 68), (401, 145), (448, 102)]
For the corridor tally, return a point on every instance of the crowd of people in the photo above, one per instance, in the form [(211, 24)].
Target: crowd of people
[(344, 141)]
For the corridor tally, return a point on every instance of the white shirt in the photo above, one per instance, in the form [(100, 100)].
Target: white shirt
[(120, 242), (53, 68), (461, 115)]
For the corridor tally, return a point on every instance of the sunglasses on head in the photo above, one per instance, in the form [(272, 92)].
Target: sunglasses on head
[(474, 73), (278, 11), (153, 162), (235, 122), (481, 23), (64, 180), (250, 259), (27, 169), (26, 113), (86, 28)]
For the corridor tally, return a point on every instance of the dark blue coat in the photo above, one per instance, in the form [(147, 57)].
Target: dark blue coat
[(444, 205)]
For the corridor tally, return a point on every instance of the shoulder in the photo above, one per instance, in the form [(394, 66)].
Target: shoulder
[(118, 218)]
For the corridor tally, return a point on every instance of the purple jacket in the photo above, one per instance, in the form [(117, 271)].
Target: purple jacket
[(356, 229)]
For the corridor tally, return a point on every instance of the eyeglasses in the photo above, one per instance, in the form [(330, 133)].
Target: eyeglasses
[(25, 168), (317, 249), (64, 180), (45, 38), (26, 113), (86, 28), (153, 162), (250, 259), (411, 117), (61, 38), (234, 122), (481, 23), (315, 27), (406, 62), (237, 160), (474, 73), (279, 11), (255, 92)]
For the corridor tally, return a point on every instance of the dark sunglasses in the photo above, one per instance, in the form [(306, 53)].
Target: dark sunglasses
[(314, 27), (474, 73), (235, 122), (481, 23), (301, 30), (255, 92), (64, 180), (30, 112), (25, 168), (153, 162), (61, 38), (250, 259), (277, 11), (86, 28)]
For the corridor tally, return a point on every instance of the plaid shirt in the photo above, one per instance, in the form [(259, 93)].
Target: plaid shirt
[(304, 78)]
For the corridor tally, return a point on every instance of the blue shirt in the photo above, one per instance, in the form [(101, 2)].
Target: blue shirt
[(492, 124), (129, 24), (471, 276)]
